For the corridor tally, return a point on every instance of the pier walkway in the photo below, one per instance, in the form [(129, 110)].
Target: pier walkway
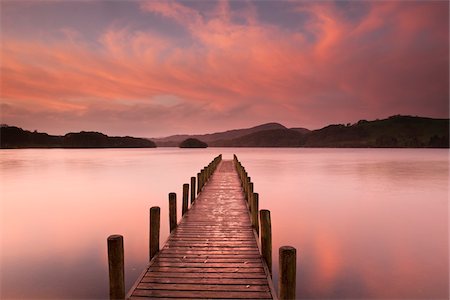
[(213, 252)]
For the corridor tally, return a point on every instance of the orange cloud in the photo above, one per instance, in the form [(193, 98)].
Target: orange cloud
[(334, 70)]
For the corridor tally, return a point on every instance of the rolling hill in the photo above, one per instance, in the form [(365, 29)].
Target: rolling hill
[(15, 137), (394, 132)]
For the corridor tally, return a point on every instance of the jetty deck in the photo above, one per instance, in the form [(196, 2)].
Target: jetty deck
[(213, 252)]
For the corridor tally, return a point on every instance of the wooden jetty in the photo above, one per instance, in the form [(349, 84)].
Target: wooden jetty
[(214, 252)]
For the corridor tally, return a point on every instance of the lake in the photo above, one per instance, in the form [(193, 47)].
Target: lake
[(366, 223)]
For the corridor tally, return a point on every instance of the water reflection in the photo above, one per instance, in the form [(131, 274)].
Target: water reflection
[(366, 223)]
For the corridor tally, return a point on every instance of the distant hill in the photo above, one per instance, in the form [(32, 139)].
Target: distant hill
[(394, 132), (193, 143), (266, 138), (175, 140), (15, 137)]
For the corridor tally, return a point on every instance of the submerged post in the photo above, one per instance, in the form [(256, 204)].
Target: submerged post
[(287, 274), (172, 211), (254, 212), (266, 237), (185, 198), (116, 267), (154, 231), (192, 189)]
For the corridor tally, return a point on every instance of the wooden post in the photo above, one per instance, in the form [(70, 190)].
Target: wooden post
[(198, 183), (185, 198), (154, 231), (192, 189), (254, 212), (250, 195), (266, 237), (203, 176), (116, 267), (287, 276), (247, 183), (172, 211)]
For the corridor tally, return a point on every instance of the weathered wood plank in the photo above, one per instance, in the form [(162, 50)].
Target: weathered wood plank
[(222, 281), (208, 259), (210, 256), (203, 294), (207, 275), (203, 287), (206, 270), (206, 264)]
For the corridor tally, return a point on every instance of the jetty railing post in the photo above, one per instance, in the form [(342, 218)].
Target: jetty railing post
[(198, 183), (287, 274), (247, 188), (185, 198), (203, 172), (192, 189), (254, 212), (202, 178), (155, 222), (250, 195), (266, 237), (172, 211), (116, 267)]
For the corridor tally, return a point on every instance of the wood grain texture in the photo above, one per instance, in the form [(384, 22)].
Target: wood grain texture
[(212, 253)]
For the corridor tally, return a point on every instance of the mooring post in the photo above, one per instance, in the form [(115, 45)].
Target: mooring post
[(172, 211), (203, 177), (116, 267), (250, 195), (185, 198), (247, 188), (287, 274), (154, 231), (192, 189), (254, 212), (266, 237), (198, 183)]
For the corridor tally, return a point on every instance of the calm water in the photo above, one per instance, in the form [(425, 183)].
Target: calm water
[(367, 223)]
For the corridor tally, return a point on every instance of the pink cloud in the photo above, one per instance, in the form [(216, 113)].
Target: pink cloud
[(349, 70)]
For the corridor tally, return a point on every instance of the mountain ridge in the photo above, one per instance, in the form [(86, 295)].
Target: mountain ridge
[(174, 140), (398, 131), (14, 137)]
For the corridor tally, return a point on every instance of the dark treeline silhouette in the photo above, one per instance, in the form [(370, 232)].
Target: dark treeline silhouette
[(14, 137), (394, 132)]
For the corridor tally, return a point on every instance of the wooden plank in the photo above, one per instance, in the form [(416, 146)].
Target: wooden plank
[(212, 247), (210, 256), (203, 294), (237, 275), (203, 287), (211, 239), (231, 259), (222, 281), (207, 264), (209, 252), (206, 270)]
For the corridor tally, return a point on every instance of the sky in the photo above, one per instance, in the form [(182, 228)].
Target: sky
[(156, 68)]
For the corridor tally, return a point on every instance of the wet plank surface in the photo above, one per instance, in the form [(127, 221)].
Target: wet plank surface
[(213, 253)]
